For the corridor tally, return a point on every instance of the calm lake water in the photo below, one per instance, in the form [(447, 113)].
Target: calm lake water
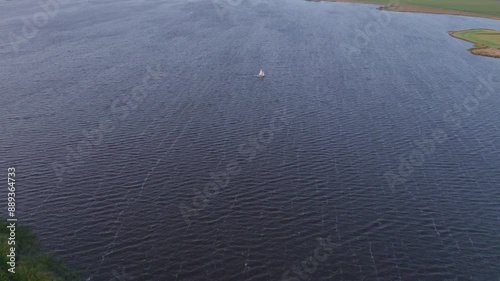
[(111, 177)]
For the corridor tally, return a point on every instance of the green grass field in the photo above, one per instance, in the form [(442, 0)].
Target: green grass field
[(486, 37), (31, 263), (483, 7), (487, 41)]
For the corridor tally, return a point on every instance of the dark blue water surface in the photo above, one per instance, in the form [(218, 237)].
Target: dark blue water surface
[(146, 150)]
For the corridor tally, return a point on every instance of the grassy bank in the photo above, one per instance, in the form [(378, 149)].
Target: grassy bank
[(477, 8), (487, 41), (31, 263)]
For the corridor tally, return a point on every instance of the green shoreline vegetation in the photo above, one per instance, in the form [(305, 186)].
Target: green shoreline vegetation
[(478, 8), (31, 263), (487, 41)]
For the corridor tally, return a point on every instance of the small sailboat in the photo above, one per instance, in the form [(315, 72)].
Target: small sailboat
[(261, 74)]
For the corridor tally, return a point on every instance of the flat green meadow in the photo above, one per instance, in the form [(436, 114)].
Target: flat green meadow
[(483, 7), (486, 37)]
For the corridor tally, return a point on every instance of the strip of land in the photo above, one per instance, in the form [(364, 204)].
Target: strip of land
[(487, 41), (474, 8), (31, 264)]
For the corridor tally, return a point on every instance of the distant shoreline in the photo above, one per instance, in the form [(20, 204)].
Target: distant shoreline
[(412, 8), (482, 47)]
